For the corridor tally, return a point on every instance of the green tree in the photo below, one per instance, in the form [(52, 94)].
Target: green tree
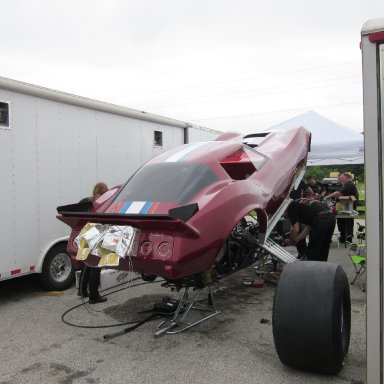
[(319, 172)]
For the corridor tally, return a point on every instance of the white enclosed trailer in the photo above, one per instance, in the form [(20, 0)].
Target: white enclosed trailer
[(372, 44), (54, 148)]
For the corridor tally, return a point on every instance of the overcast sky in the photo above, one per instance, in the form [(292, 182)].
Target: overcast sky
[(239, 65)]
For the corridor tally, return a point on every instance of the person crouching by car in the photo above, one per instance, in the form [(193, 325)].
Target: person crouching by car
[(90, 276), (319, 224)]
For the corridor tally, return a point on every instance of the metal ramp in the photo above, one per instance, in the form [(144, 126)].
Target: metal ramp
[(279, 252)]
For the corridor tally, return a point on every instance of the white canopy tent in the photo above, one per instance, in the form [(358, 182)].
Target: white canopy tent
[(331, 143)]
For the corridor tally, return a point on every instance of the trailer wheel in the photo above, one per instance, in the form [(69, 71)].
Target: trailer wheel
[(58, 272), (312, 316)]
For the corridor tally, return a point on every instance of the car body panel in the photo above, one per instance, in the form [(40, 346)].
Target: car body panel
[(217, 182)]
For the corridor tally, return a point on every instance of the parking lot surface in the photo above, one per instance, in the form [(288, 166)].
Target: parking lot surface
[(233, 347)]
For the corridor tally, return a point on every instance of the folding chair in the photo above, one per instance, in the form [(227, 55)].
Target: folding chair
[(357, 255)]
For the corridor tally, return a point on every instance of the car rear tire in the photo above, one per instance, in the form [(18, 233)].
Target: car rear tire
[(58, 272), (312, 316)]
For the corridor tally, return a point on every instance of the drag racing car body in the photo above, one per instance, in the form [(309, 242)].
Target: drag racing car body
[(199, 212), (186, 202)]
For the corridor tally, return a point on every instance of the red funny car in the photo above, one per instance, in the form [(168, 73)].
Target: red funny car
[(178, 198), (183, 216)]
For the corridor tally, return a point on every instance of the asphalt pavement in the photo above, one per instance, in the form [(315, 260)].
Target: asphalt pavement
[(234, 347)]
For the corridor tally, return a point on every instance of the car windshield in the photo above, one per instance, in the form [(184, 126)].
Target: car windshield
[(176, 182)]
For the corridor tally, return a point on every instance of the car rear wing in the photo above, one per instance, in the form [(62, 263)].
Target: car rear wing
[(74, 216)]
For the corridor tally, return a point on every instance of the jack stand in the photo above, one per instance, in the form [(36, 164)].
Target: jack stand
[(183, 309)]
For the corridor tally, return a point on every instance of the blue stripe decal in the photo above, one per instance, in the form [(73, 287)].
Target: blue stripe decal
[(146, 207), (125, 207)]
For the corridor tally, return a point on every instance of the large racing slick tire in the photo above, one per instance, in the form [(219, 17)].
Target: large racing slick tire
[(312, 316), (58, 272)]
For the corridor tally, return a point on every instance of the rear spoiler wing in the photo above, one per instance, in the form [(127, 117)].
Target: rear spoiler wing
[(76, 216)]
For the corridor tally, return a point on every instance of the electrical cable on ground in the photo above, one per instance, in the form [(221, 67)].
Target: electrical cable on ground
[(105, 325), (152, 316)]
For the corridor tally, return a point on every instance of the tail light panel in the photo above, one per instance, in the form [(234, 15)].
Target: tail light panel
[(157, 246)]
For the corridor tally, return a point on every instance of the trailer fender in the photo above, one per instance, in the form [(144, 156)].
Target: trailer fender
[(46, 249), (57, 269)]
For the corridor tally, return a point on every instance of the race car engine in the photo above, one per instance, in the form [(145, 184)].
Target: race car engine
[(239, 251)]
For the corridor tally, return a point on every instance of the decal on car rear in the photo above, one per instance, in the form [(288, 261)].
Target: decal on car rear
[(136, 207)]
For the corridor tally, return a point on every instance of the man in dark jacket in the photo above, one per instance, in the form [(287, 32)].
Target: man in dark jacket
[(349, 188), (319, 224)]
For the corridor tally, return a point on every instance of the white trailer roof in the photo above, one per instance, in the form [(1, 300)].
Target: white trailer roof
[(67, 98)]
